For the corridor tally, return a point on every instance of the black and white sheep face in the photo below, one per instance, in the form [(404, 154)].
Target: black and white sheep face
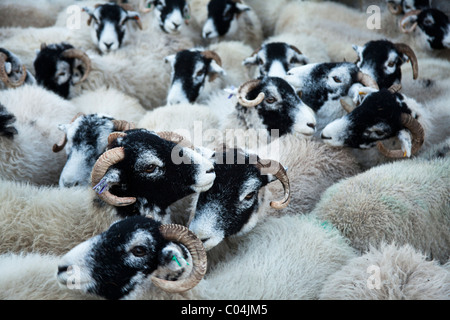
[(109, 25), (171, 14), (87, 138), (7, 119), (275, 59), (157, 173), (409, 5), (56, 72), (434, 26), (222, 18), (323, 83), (230, 206), (190, 68), (282, 109), (382, 61), (377, 118), (118, 263)]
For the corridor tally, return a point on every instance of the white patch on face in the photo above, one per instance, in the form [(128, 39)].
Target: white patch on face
[(248, 187), (446, 40), (406, 141), (234, 27), (209, 29), (392, 58), (140, 238), (75, 171), (174, 22), (337, 131), (176, 94), (338, 77), (109, 40), (78, 275), (205, 176), (63, 72), (305, 120), (299, 76), (204, 225), (144, 161), (276, 70)]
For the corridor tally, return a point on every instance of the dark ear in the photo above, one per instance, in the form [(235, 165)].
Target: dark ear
[(252, 60), (90, 12), (6, 119), (242, 7), (215, 70)]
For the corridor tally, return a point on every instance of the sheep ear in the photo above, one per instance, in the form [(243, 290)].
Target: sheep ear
[(242, 7), (63, 127), (172, 263), (404, 136), (301, 58), (215, 70), (170, 59), (136, 17), (249, 61)]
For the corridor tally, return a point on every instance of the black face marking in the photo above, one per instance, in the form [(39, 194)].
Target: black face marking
[(316, 91), (6, 120), (374, 57), (417, 4), (112, 14), (382, 109), (45, 67), (184, 71), (222, 13), (223, 197), (435, 24), (124, 258), (152, 192), (275, 51), (169, 7), (281, 113)]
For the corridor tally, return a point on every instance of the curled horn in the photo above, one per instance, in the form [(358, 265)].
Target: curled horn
[(114, 135), (103, 163), (4, 76), (367, 80), (129, 7), (176, 138), (394, 8), (347, 104), (295, 49), (244, 89), (79, 54), (123, 125), (417, 133), (406, 18), (57, 147), (209, 54), (396, 87), (405, 49), (282, 176), (181, 234)]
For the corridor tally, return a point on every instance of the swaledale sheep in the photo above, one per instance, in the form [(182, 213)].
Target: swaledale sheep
[(389, 273), (135, 177), (25, 152), (232, 20), (406, 202), (303, 253), (384, 115), (12, 72), (239, 198)]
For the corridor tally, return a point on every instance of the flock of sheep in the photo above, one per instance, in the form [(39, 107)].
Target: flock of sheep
[(224, 149)]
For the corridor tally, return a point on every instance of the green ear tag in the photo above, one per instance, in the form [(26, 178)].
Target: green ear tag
[(175, 258)]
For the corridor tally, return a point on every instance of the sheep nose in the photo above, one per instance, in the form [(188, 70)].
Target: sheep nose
[(210, 171), (311, 125), (203, 240), (325, 137), (207, 34), (108, 45), (175, 25)]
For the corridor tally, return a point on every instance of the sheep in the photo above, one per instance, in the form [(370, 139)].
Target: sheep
[(232, 20), (85, 139), (267, 13), (404, 201), (296, 271), (383, 115), (27, 142), (240, 196), (12, 71), (148, 166), (389, 273), (322, 85)]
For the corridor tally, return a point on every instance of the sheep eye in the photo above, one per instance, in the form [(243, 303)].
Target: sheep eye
[(139, 251), (150, 168), (61, 74), (391, 64), (271, 100), (379, 132), (427, 22), (293, 60), (336, 79), (250, 195)]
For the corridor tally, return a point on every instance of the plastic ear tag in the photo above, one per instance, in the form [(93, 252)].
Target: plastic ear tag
[(176, 260), (404, 154), (149, 5)]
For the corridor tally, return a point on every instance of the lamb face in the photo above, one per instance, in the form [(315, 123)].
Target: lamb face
[(190, 68), (132, 254), (222, 18), (12, 72), (149, 174), (171, 14), (110, 30), (275, 59)]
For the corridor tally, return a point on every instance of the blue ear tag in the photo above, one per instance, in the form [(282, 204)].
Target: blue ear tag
[(232, 88), (100, 187)]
